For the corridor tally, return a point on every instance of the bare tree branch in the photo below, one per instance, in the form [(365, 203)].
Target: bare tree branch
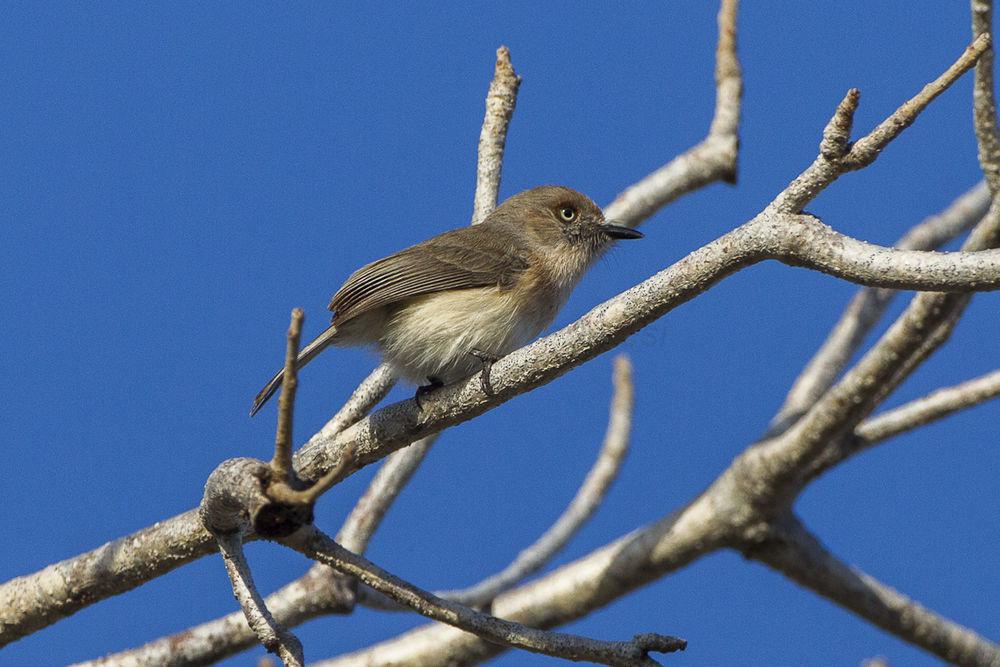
[(275, 638), (831, 164), (790, 549), (909, 416), (923, 327), (32, 602), (602, 328), (815, 245), (984, 106), (712, 159), (868, 305), (586, 501), (932, 407), (314, 544), (368, 394), (281, 464), (500, 101), (318, 592)]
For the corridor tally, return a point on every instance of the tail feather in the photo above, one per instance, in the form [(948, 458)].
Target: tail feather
[(305, 356)]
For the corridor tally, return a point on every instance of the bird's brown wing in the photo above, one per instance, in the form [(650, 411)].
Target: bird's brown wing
[(476, 256)]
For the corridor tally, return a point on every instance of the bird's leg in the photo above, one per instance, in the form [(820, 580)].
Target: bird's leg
[(432, 384), (486, 361)]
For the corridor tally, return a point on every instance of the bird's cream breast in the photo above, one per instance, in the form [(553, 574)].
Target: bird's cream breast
[(433, 335)]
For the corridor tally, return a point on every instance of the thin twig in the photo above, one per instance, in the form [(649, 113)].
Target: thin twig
[(281, 464), (830, 166), (318, 546), (929, 408), (867, 148), (500, 101), (271, 635)]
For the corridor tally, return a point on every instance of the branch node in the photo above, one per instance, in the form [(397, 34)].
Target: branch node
[(656, 643), (836, 141)]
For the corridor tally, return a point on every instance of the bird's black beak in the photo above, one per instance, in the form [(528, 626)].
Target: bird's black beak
[(620, 232)]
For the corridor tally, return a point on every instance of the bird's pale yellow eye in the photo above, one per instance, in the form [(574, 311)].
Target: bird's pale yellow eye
[(567, 213)]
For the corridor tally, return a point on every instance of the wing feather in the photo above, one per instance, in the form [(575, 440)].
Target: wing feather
[(465, 258)]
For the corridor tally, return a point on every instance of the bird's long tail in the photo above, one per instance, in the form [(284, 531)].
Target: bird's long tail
[(305, 356)]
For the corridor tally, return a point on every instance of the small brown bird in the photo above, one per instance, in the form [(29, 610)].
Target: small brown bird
[(450, 306)]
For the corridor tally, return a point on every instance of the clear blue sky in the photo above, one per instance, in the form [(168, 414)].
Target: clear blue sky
[(175, 179)]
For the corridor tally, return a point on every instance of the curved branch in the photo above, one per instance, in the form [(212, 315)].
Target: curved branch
[(586, 501), (867, 306), (318, 546), (269, 632), (814, 245), (712, 159), (792, 550)]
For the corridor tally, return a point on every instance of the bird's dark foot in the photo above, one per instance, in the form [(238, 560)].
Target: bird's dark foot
[(423, 390), (486, 365)]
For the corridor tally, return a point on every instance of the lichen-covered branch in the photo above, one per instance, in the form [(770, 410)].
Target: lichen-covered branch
[(792, 550), (838, 155), (32, 602), (586, 501), (712, 159), (500, 101), (269, 632), (314, 544), (867, 306)]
